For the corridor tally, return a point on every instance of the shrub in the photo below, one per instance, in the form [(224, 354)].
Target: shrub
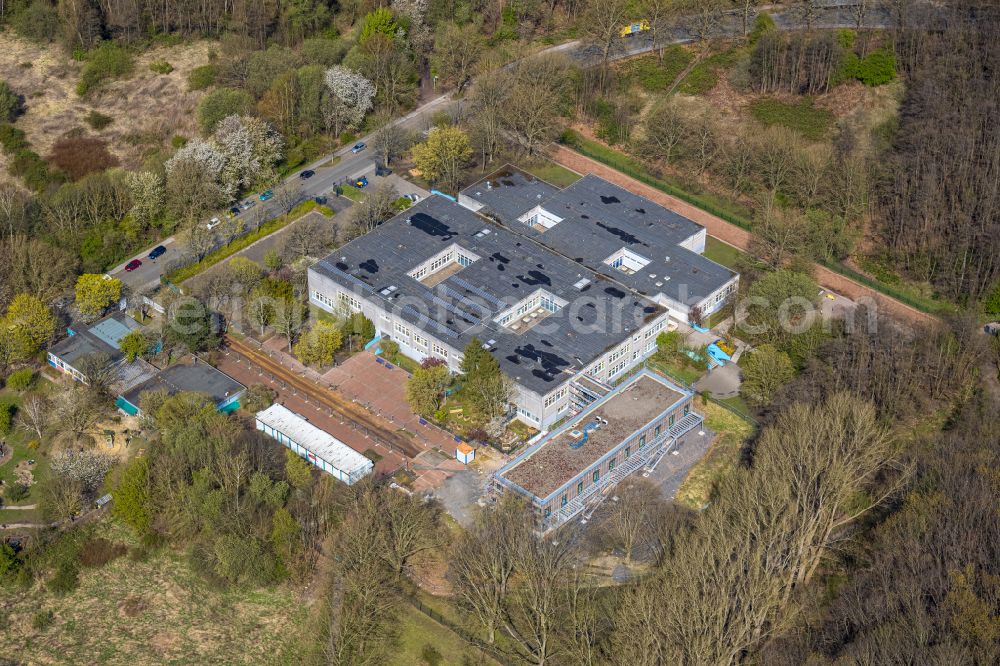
[(202, 77), (877, 68), (42, 620), (991, 302), (20, 380), (431, 655), (220, 103), (30, 167), (78, 156), (65, 580), (38, 21), (98, 120), (178, 141), (17, 492), (11, 103), (13, 139), (6, 417), (161, 67), (98, 551), (803, 117), (107, 61)]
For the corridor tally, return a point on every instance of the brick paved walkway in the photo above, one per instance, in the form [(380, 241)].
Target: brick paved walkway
[(383, 392)]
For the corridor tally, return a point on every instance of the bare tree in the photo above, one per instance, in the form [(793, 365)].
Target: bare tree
[(664, 131), (374, 210), (35, 415), (484, 559), (602, 24), (629, 521), (389, 140)]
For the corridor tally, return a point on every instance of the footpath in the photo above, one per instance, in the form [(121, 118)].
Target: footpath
[(732, 234)]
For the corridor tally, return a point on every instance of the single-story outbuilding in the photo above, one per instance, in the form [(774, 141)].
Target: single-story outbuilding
[(104, 337), (193, 377), (315, 445)]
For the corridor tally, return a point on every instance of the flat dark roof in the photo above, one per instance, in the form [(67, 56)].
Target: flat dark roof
[(600, 218), (509, 193), (510, 268), (196, 377), (102, 337), (553, 463)]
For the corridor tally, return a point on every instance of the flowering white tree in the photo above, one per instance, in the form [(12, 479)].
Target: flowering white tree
[(352, 97), (250, 147), (207, 157), (146, 191), (87, 467)]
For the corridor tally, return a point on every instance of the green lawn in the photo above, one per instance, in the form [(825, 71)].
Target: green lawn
[(811, 122), (18, 439), (654, 75), (687, 373), (553, 173), (697, 488), (352, 193), (722, 253), (421, 639), (705, 75)]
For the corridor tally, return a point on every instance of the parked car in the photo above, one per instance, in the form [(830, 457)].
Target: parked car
[(266, 194), (992, 328), (234, 211), (414, 198), (157, 251), (308, 173), (358, 147), (248, 204), (320, 200), (132, 265), (361, 183), (213, 223)]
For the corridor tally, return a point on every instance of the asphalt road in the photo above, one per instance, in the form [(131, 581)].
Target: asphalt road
[(837, 14)]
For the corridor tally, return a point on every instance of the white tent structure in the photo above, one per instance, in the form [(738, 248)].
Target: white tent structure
[(315, 445)]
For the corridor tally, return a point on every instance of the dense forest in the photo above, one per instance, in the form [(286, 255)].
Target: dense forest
[(938, 198)]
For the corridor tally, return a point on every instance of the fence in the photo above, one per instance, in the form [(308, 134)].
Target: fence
[(625, 164), (488, 650)]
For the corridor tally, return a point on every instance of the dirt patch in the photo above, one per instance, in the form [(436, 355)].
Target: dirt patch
[(132, 606), (147, 109), (24, 474)]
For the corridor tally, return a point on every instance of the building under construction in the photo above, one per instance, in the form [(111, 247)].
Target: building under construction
[(573, 468)]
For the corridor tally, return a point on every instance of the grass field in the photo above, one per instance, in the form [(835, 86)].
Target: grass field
[(421, 639), (654, 75), (154, 612), (18, 440), (553, 173), (352, 193), (811, 122), (697, 488), (722, 253)]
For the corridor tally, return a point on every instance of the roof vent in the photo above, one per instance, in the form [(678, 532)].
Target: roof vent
[(409, 221), (668, 258)]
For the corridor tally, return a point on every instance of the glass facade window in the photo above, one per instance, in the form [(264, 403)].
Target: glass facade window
[(670, 422), (687, 408), (579, 488), (657, 433), (597, 475), (642, 441), (563, 501), (628, 452), (611, 465)]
